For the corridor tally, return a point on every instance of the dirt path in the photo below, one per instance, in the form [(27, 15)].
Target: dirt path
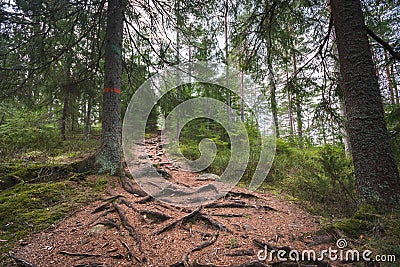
[(129, 228)]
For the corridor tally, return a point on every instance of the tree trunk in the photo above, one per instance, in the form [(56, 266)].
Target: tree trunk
[(396, 91), (178, 60), (88, 121), (389, 80), (109, 157), (346, 142), (64, 117), (241, 96), (228, 92), (299, 115), (290, 104), (274, 105), (377, 176)]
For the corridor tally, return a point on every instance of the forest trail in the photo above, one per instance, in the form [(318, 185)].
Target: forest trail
[(129, 228)]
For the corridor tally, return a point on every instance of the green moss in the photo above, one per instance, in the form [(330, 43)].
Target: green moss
[(27, 208), (353, 227)]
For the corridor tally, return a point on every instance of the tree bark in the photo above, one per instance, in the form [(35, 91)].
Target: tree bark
[(64, 117), (274, 105), (228, 93), (377, 176), (299, 115), (389, 80), (88, 120), (109, 157), (396, 91)]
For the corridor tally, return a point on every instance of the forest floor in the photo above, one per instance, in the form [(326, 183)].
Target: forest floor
[(128, 228)]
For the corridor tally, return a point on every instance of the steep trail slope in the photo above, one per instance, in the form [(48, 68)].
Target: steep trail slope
[(129, 228)]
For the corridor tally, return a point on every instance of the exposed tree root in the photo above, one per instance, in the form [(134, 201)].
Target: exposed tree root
[(241, 194), (109, 223), (214, 223), (91, 265), (239, 205), (145, 200), (269, 247), (128, 226), (226, 205), (183, 218), (102, 215), (263, 245), (101, 208), (130, 254), (19, 261), (229, 215), (130, 187), (79, 254), (241, 252), (185, 258), (155, 214), (128, 204), (112, 198), (247, 264)]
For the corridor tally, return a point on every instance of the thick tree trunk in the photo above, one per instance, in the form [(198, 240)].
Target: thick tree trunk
[(109, 157), (378, 181)]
